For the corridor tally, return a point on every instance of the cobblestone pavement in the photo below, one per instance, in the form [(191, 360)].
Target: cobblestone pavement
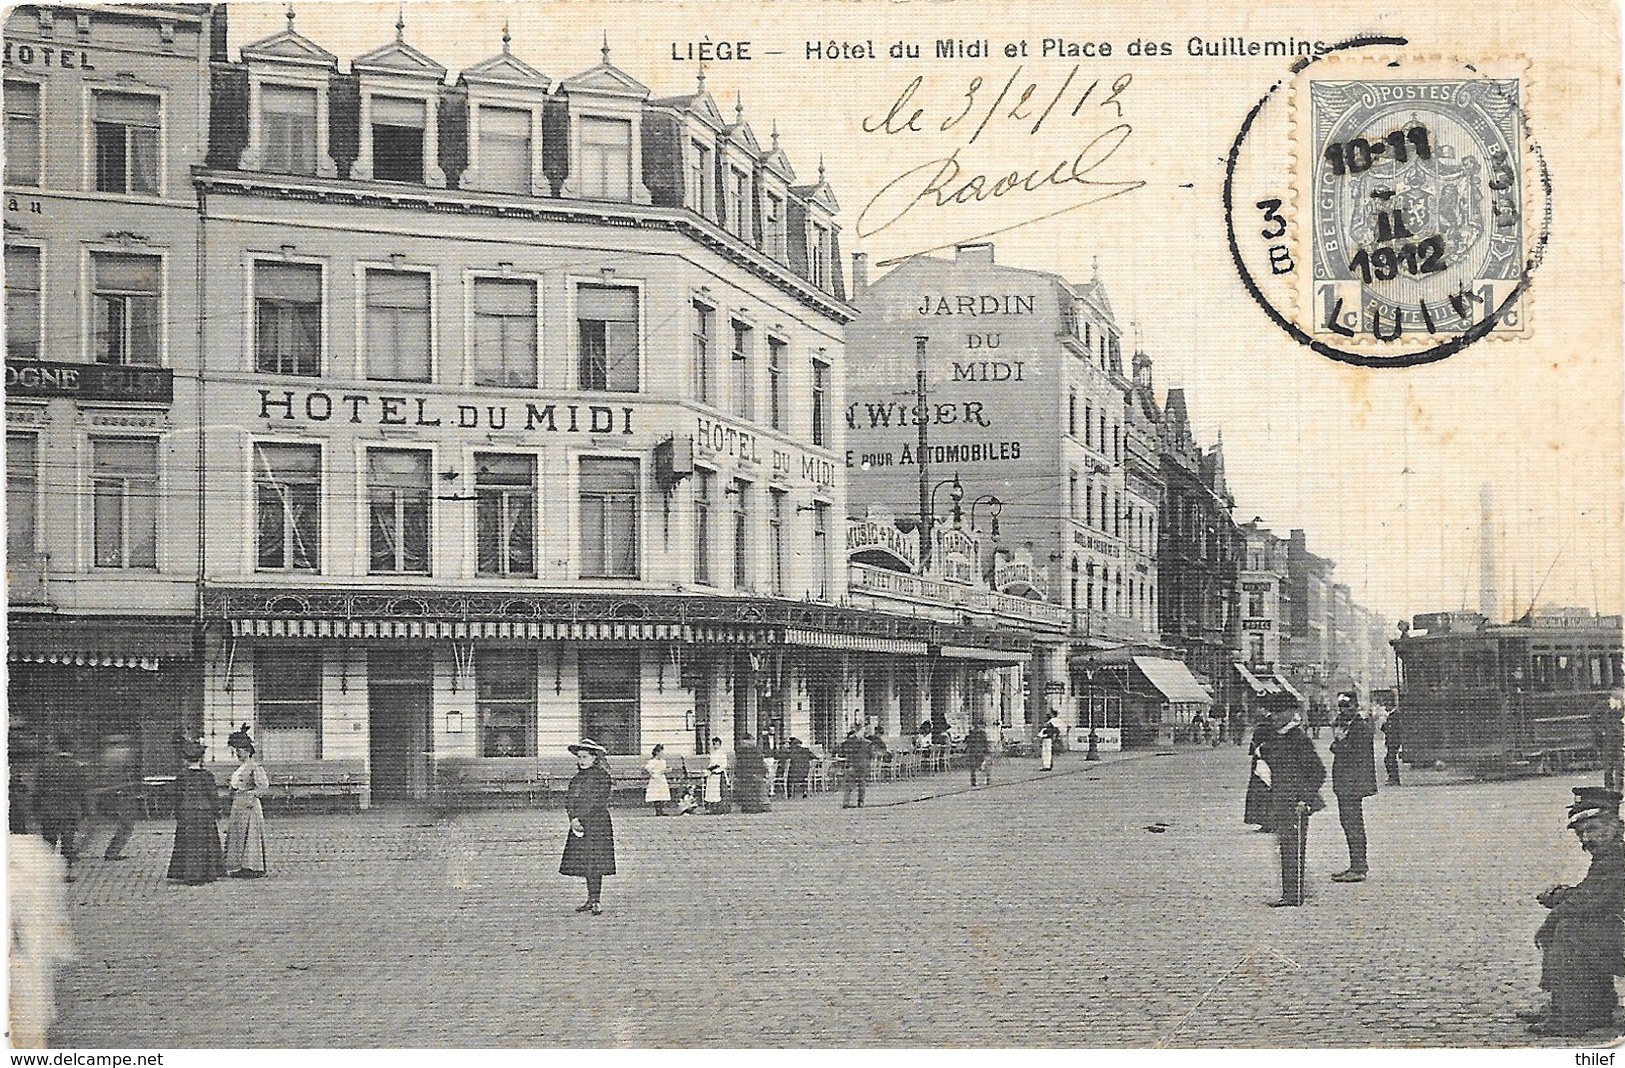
[(1038, 912)]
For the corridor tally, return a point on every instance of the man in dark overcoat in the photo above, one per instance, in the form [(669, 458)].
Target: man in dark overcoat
[(1295, 777), (1582, 942), (1354, 778), (797, 764), (750, 776), (859, 751), (978, 754)]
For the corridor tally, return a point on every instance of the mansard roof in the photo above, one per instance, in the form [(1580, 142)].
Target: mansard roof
[(505, 69), (398, 58), (290, 46)]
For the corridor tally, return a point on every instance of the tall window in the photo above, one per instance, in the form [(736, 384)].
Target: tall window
[(1089, 502), (505, 507), (505, 701), (287, 318), (607, 331), (741, 525), (609, 699), (288, 704), (504, 332), (125, 292), (505, 153), (698, 193), (397, 325), (609, 518), (22, 133), (23, 322), (398, 507), (1089, 425), (704, 481), (1255, 605), (606, 158), (820, 402), (739, 202), (1072, 494), (739, 360), (126, 132), (818, 256), (777, 400), (288, 129), (287, 497), (773, 226), (775, 538), (124, 485), (704, 327), (22, 491), (1072, 413), (398, 131), (1255, 648), (821, 549)]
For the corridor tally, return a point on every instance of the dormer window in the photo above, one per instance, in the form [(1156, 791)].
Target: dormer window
[(773, 226), (699, 179), (606, 158), (398, 126), (505, 149), (739, 202), (288, 129), (818, 256)]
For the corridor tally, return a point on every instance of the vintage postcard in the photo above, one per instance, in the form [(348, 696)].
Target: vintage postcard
[(870, 524)]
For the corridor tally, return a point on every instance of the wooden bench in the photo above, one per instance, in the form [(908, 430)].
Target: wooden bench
[(300, 785), (473, 780)]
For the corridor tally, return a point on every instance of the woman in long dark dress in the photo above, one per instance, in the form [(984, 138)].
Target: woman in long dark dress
[(197, 858), (589, 848)]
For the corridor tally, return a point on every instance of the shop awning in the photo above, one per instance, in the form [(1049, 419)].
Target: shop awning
[(421, 629), (126, 643), (1260, 687), (1173, 679), (990, 656), (861, 643), (1286, 687)]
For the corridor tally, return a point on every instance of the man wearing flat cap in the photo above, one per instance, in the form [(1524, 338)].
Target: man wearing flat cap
[(1582, 941)]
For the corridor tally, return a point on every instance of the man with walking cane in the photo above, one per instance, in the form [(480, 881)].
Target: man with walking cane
[(1296, 773)]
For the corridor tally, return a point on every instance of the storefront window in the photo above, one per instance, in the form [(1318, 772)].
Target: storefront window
[(609, 699), (22, 487), (288, 704), (505, 695)]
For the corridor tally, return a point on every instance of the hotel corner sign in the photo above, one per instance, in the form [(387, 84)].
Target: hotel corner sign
[(89, 381)]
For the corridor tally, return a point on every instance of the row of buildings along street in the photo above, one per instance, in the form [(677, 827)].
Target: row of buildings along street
[(422, 420)]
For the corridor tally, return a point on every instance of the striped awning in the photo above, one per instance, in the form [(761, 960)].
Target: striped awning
[(144, 663), (862, 643), (533, 630), (990, 656)]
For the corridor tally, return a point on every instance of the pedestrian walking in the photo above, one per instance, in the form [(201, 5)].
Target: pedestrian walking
[(589, 847), (61, 790), (1392, 745), (979, 755), (797, 766), (858, 749), (716, 779), (1256, 809), (197, 857), (245, 830), (1582, 943), (1354, 778), (750, 776), (118, 778), (658, 792), (1049, 739), (1295, 777)]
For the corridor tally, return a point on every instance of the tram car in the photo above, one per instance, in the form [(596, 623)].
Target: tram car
[(1539, 695)]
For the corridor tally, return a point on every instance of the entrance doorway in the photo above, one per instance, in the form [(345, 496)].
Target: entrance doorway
[(400, 743)]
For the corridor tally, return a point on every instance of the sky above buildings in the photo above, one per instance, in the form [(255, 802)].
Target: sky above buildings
[(1383, 467)]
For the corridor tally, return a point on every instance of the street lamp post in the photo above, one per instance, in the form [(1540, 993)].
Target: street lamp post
[(994, 507), (956, 494)]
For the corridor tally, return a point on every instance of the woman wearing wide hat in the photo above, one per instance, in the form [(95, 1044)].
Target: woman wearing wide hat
[(589, 848), (197, 858), (245, 833)]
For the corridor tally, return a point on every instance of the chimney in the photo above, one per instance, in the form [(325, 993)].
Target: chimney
[(860, 274), (974, 252)]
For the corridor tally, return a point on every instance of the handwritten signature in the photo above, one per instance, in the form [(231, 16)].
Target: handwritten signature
[(947, 181)]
